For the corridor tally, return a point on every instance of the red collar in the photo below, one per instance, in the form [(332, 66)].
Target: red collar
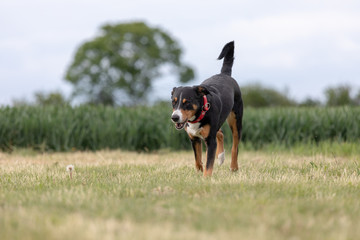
[(204, 109)]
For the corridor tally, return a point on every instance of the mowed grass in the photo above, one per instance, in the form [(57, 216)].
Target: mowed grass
[(127, 195)]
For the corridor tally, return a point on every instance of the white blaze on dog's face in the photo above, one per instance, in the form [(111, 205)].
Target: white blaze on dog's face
[(185, 105)]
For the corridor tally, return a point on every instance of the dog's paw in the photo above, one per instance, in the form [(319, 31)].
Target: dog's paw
[(221, 158)]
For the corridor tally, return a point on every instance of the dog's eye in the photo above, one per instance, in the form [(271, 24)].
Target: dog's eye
[(188, 106)]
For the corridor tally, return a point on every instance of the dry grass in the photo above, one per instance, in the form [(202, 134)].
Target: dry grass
[(126, 195)]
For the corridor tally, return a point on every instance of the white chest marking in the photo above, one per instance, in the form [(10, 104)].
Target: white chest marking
[(194, 130)]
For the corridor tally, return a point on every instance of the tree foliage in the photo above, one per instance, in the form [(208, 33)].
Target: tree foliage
[(340, 96), (50, 99), (256, 95), (310, 102), (54, 98), (120, 64)]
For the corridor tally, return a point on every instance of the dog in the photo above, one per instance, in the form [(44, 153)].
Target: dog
[(203, 109)]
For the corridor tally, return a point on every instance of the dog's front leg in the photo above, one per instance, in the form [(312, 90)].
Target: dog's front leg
[(210, 155), (196, 144)]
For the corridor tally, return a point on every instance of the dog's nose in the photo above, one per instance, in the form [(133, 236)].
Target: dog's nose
[(175, 118)]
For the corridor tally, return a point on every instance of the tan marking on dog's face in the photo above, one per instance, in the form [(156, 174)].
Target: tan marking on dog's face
[(188, 114), (184, 100)]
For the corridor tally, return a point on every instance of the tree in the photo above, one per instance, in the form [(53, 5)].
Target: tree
[(43, 99), (255, 95), (339, 96), (120, 64), (52, 98), (357, 99), (310, 102)]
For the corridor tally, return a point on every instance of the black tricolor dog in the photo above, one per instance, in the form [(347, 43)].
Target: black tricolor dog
[(203, 109)]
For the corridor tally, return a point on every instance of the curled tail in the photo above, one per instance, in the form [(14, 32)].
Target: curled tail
[(228, 54)]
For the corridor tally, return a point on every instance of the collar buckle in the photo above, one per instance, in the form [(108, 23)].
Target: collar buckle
[(206, 107)]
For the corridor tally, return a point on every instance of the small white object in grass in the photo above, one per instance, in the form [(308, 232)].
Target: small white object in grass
[(70, 168)]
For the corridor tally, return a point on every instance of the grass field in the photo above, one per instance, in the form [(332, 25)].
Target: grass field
[(125, 195)]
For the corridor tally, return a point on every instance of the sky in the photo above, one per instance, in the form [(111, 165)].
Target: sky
[(297, 47)]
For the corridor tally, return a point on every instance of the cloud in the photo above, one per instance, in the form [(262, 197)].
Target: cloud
[(280, 42), (289, 40)]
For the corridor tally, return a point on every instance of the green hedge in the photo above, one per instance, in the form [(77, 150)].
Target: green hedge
[(150, 128)]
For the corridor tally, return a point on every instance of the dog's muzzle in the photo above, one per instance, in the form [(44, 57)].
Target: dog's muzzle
[(176, 118)]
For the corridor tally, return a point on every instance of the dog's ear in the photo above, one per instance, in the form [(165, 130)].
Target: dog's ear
[(201, 90), (172, 92)]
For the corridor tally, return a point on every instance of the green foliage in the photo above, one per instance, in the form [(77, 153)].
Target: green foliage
[(43, 99), (357, 99), (120, 64), (87, 128), (52, 99), (256, 95), (149, 128), (289, 126), (340, 96), (310, 102)]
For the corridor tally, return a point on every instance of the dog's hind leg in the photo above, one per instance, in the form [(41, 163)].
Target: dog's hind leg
[(220, 152), (235, 123), (197, 147)]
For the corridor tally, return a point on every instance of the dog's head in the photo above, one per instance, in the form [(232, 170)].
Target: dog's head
[(186, 102)]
